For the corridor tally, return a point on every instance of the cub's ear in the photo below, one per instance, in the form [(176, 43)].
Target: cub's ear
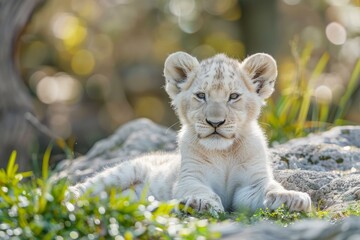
[(262, 70), (178, 67)]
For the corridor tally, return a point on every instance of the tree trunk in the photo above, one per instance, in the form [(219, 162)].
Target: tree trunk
[(16, 133), (259, 24)]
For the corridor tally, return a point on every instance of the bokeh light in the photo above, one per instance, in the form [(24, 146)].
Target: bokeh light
[(83, 62), (183, 8), (323, 94), (68, 28), (151, 107), (47, 90), (338, 2), (292, 2), (58, 88), (336, 33), (100, 62)]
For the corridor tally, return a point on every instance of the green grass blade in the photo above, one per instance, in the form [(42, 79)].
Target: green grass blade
[(319, 68), (304, 109), (324, 112), (45, 164), (65, 147), (306, 54), (11, 165), (349, 91), (26, 174)]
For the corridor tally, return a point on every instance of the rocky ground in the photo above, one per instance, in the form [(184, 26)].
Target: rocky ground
[(325, 165)]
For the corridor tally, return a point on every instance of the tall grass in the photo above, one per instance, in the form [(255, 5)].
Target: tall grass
[(296, 112), (344, 101)]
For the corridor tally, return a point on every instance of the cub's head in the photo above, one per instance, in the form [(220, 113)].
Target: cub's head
[(219, 98)]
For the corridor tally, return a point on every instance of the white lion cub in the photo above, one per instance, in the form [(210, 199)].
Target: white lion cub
[(223, 161)]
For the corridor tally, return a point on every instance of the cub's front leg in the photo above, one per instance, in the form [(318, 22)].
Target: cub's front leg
[(266, 192), (204, 203), (201, 198), (276, 196)]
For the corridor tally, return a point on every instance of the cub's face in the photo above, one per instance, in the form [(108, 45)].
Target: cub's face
[(220, 96)]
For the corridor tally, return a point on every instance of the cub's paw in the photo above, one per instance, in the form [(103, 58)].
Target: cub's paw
[(202, 204), (295, 201)]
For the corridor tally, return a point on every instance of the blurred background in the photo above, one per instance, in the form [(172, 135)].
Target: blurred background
[(92, 65)]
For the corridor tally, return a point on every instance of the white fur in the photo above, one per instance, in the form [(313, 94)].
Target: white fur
[(224, 171)]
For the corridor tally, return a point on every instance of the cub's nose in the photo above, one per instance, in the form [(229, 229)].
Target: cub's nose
[(215, 124)]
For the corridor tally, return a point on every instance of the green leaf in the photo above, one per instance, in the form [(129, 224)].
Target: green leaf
[(45, 164), (11, 165)]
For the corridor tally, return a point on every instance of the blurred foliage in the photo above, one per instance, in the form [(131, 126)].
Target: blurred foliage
[(39, 209), (301, 107), (92, 65)]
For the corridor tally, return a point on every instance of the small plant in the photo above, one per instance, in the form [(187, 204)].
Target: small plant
[(351, 210), (10, 176), (283, 216), (280, 215)]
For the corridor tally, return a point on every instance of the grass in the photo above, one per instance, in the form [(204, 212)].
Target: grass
[(40, 209), (296, 111)]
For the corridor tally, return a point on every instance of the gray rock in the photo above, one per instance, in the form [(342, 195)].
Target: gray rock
[(325, 165), (328, 190), (129, 141), (308, 229), (333, 150)]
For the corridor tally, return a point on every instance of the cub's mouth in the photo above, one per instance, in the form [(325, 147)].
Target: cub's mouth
[(216, 140), (217, 135)]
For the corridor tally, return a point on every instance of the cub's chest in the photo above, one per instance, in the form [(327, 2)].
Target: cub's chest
[(224, 178)]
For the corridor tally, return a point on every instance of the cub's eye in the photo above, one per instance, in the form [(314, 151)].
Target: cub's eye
[(200, 95), (234, 96)]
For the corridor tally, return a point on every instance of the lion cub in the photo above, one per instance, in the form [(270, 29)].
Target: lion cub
[(222, 162)]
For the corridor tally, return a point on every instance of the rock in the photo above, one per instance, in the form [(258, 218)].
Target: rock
[(333, 150), (129, 141), (325, 165), (328, 190), (306, 229)]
